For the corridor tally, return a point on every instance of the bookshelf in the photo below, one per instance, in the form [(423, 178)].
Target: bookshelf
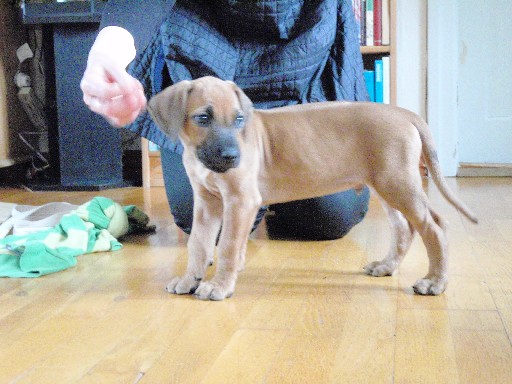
[(151, 167), (371, 53)]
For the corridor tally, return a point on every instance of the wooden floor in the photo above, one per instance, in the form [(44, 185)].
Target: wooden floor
[(303, 312)]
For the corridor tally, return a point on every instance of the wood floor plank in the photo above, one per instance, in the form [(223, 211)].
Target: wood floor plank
[(501, 291), (366, 350), (477, 351), (303, 359), (196, 347), (425, 351), (247, 357), (76, 337), (136, 353)]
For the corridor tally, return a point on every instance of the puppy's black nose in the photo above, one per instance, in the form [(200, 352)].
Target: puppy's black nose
[(230, 154)]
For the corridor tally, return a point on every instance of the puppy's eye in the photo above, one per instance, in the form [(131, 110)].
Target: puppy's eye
[(239, 121), (203, 120)]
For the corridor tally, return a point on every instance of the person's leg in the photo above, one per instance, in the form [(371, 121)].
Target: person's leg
[(179, 191), (324, 218)]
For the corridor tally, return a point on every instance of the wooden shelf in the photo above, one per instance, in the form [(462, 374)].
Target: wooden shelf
[(381, 49)]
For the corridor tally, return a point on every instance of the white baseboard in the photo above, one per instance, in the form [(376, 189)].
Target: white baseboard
[(484, 170)]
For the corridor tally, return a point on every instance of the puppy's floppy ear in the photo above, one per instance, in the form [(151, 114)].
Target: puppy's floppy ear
[(245, 102), (168, 108)]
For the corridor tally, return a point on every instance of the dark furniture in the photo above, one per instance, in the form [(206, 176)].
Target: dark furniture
[(85, 151)]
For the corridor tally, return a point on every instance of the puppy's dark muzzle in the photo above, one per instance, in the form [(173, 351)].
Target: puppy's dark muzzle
[(220, 151)]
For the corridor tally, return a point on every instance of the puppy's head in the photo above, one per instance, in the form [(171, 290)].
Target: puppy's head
[(208, 115)]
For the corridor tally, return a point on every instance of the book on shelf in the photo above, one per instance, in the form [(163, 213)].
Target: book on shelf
[(385, 22), (356, 6), (377, 22), (378, 81), (369, 78), (369, 22), (373, 19), (386, 80)]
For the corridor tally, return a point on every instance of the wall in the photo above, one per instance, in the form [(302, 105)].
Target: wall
[(484, 85), (464, 45), (411, 51)]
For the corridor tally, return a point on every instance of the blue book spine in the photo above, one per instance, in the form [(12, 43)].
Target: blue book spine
[(379, 82), (369, 78)]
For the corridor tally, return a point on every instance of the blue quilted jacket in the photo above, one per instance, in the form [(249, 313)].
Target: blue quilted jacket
[(279, 52)]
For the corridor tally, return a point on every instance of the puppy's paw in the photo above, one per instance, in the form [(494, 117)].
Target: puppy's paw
[(379, 268), (432, 286), (183, 285), (210, 290)]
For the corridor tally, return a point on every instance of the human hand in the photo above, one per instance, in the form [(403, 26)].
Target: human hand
[(108, 89)]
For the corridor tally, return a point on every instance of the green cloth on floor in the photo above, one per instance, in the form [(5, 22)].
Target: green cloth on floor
[(92, 227)]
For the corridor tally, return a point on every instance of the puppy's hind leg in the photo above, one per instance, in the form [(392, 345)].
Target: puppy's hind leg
[(433, 233), (402, 234), (412, 201)]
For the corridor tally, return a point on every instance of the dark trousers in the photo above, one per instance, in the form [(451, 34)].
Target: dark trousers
[(323, 218)]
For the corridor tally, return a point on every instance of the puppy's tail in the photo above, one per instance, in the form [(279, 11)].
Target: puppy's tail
[(432, 163)]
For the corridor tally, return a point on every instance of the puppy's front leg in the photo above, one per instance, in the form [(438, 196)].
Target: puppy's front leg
[(238, 218), (201, 244)]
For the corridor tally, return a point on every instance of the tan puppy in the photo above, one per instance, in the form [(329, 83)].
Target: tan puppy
[(239, 158)]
